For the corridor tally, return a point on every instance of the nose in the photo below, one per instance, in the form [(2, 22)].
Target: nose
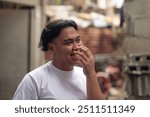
[(76, 46)]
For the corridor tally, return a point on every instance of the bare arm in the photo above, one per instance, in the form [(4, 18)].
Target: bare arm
[(87, 60)]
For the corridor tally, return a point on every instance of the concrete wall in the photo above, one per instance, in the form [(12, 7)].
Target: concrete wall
[(14, 50), (137, 44), (20, 33), (137, 13)]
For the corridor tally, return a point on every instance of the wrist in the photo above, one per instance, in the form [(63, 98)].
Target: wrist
[(91, 75)]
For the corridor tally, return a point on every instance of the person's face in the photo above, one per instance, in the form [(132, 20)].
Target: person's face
[(65, 44)]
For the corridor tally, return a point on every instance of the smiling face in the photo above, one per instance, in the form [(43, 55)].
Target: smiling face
[(64, 46)]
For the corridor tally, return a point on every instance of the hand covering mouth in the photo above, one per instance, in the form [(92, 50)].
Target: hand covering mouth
[(72, 54)]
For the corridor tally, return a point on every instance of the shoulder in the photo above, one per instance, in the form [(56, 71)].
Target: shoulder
[(39, 74), (40, 71)]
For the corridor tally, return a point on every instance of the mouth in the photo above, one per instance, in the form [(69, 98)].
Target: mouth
[(72, 54)]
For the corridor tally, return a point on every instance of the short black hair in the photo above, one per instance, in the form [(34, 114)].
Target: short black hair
[(52, 30)]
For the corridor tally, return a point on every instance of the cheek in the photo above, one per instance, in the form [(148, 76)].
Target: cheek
[(68, 50), (65, 50)]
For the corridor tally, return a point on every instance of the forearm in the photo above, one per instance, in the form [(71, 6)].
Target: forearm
[(87, 60), (93, 89)]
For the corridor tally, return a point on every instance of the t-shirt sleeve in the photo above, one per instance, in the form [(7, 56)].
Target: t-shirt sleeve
[(27, 89)]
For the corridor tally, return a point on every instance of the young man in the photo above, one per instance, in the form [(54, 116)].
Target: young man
[(60, 78)]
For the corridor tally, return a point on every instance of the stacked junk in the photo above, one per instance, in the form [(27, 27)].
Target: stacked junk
[(138, 76)]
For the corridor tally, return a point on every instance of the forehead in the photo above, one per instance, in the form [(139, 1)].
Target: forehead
[(68, 33)]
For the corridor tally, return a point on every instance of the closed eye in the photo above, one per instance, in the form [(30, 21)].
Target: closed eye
[(78, 40), (68, 41)]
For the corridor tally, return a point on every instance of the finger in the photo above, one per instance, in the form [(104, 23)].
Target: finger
[(83, 62), (81, 54), (86, 51)]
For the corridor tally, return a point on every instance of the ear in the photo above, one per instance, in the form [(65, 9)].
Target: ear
[(51, 47)]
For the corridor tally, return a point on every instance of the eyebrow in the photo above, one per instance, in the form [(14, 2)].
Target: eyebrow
[(71, 39)]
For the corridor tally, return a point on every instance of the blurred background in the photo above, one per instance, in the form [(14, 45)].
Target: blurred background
[(116, 31)]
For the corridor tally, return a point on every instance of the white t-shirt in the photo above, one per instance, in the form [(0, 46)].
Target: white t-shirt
[(49, 82)]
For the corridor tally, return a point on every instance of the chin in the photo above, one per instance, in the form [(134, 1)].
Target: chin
[(74, 61)]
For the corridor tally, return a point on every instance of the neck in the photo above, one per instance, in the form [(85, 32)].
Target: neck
[(62, 66)]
